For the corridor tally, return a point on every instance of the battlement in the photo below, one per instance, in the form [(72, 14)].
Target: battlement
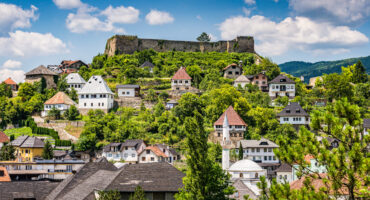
[(128, 44)]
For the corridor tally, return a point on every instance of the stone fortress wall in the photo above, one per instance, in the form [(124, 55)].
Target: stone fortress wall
[(127, 44)]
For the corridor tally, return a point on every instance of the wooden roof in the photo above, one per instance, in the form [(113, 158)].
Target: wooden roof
[(41, 70), (60, 98), (232, 117), (181, 74)]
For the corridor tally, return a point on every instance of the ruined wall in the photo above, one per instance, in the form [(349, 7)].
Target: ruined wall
[(119, 44)]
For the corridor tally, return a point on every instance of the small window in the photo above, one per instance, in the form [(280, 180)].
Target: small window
[(151, 158), (175, 81), (186, 81), (133, 155), (241, 175), (147, 151), (230, 72), (92, 104)]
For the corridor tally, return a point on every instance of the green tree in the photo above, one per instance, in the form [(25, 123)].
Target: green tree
[(195, 72), (282, 101), (62, 83), (188, 103), (7, 152), (72, 113), (73, 95), (159, 108), (26, 91), (139, 194), (204, 37), (5, 90), (359, 74), (205, 179), (240, 151), (47, 152), (54, 113), (151, 96), (337, 86), (109, 195)]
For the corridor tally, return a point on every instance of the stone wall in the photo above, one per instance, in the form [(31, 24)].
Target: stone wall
[(119, 44)]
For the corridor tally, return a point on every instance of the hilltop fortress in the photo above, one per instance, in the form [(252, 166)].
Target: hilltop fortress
[(119, 44)]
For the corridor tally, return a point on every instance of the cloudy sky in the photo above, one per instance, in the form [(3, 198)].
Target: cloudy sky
[(34, 32)]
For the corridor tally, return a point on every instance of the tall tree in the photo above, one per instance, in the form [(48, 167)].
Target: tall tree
[(241, 151), (359, 73), (7, 152), (204, 37), (47, 152), (72, 113), (139, 194), (205, 179)]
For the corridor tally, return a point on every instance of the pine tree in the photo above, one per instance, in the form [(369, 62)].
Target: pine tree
[(47, 152), (205, 179), (241, 151), (359, 73), (139, 194), (204, 37), (72, 113), (109, 195), (7, 152)]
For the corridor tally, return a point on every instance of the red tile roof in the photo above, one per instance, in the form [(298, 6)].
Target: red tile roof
[(227, 67), (3, 138), (6, 177), (69, 62), (181, 74), (9, 81), (232, 117), (308, 157), (156, 151), (60, 98)]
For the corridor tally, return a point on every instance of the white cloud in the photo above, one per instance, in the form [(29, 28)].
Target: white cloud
[(247, 11), (299, 33), (121, 14), (343, 12), (17, 75), (68, 4), (11, 64), (250, 2), (213, 38), (21, 43), (13, 17), (84, 22), (155, 17)]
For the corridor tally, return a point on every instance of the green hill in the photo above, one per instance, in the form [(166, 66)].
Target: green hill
[(308, 70)]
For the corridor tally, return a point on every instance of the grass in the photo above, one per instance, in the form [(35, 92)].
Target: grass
[(26, 131), (75, 131)]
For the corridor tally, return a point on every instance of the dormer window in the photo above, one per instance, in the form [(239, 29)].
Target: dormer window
[(283, 80), (264, 143), (287, 111), (298, 111)]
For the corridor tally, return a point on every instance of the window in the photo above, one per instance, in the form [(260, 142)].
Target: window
[(180, 81), (233, 67), (270, 149), (125, 155), (219, 134), (264, 149), (186, 81), (273, 87), (109, 155), (143, 158), (102, 104), (126, 148), (258, 150), (117, 155), (241, 175), (257, 82), (237, 73), (151, 158), (256, 175), (69, 168), (92, 104), (230, 72), (93, 96), (123, 92), (87, 96), (28, 167), (133, 155), (263, 82), (270, 157), (277, 87), (175, 81), (253, 151), (82, 96), (147, 151), (128, 92), (265, 157), (98, 104), (280, 177), (286, 177), (286, 119)]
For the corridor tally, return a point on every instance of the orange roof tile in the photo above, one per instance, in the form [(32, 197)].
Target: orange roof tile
[(232, 117), (3, 138), (5, 177), (181, 75), (308, 157), (156, 151), (60, 98), (9, 81)]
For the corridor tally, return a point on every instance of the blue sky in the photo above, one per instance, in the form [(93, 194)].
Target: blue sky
[(46, 32)]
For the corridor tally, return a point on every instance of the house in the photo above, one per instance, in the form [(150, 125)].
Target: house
[(181, 80), (241, 189), (128, 90), (147, 65), (237, 126), (12, 84), (294, 114), (3, 139), (313, 81), (74, 80), (170, 152), (171, 104), (95, 95), (40, 169), (284, 174), (259, 80), (59, 101), (4, 176), (41, 72), (159, 181), (232, 71), (242, 81), (313, 167), (366, 126), (152, 154), (127, 151), (55, 68), (27, 148), (281, 86), (69, 66)]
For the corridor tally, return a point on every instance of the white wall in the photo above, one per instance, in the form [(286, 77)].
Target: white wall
[(148, 157), (282, 177), (61, 107), (294, 120), (275, 88), (103, 103), (76, 86), (247, 175), (126, 92), (248, 154), (242, 84)]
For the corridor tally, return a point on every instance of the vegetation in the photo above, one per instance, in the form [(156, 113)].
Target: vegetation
[(109, 195), (204, 37), (138, 194), (7, 152), (47, 152)]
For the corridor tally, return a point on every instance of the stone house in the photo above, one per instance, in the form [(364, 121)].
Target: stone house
[(260, 80), (127, 151), (95, 95), (152, 154), (27, 148), (12, 84), (128, 90), (171, 104), (74, 80), (147, 65), (40, 72), (181, 80), (3, 139), (60, 101), (237, 126), (294, 114), (282, 86), (232, 71), (69, 66)]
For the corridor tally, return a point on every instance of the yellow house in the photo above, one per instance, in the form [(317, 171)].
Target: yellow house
[(27, 148)]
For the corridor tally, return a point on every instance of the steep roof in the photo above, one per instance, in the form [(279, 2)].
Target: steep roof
[(181, 74), (3, 137), (26, 189), (242, 78), (293, 109), (96, 85), (41, 70), (60, 98), (231, 65), (73, 78), (10, 81), (147, 64), (156, 151), (284, 167), (232, 117), (282, 79), (257, 143), (26, 141), (367, 123)]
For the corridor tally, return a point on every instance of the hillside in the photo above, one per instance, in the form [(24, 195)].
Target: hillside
[(308, 70)]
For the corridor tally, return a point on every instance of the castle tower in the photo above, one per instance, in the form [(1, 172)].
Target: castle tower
[(226, 144)]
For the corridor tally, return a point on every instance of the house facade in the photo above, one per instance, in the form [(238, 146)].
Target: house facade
[(170, 152), (284, 174), (3, 139), (260, 151), (232, 71), (281, 86), (171, 104), (74, 80), (313, 167), (71, 66), (127, 151), (40, 72), (242, 81), (294, 114), (12, 84), (147, 66), (236, 124), (95, 95), (59, 101), (152, 154), (181, 80), (27, 148), (128, 90), (259, 80)]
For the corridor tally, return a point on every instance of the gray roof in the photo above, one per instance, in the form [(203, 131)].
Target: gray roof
[(96, 85), (59, 161), (257, 143), (27, 141), (293, 109), (172, 101), (75, 78), (147, 64), (41, 70), (171, 150), (113, 144), (282, 79), (367, 123), (284, 167), (128, 86), (26, 189)]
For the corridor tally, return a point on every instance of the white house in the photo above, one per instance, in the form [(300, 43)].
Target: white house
[(261, 151), (281, 86), (236, 124), (95, 95), (152, 154), (284, 173), (294, 114), (181, 80), (170, 152), (171, 104), (127, 151), (60, 101), (128, 90), (74, 80), (242, 81)]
